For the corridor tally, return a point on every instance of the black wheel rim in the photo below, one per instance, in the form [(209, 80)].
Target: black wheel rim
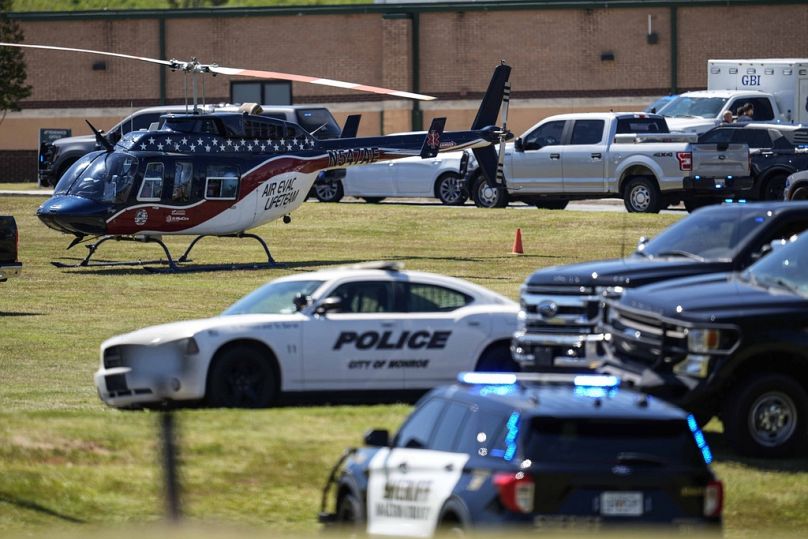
[(326, 191), (244, 384), (775, 188)]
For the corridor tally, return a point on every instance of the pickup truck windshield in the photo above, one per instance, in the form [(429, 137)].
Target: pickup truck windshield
[(785, 268), (707, 234), (273, 298), (690, 107)]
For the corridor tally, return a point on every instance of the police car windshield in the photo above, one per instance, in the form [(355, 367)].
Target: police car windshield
[(783, 269), (686, 106), (273, 298), (709, 234), (108, 178), (612, 441)]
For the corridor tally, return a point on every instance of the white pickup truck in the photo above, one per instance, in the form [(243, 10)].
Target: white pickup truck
[(605, 155)]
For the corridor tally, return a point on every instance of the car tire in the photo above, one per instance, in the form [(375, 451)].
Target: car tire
[(349, 513), (373, 200), (765, 416), (486, 196), (450, 189), (328, 190), (241, 377), (641, 195), (774, 188), (800, 193), (497, 358), (551, 204)]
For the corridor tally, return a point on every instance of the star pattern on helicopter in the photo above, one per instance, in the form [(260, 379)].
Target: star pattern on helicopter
[(213, 144)]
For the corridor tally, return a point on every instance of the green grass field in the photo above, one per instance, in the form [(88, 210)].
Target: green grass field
[(72, 465)]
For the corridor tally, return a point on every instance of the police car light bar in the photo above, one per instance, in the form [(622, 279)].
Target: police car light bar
[(507, 378)]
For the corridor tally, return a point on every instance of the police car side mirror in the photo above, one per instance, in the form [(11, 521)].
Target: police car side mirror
[(377, 438), (332, 304)]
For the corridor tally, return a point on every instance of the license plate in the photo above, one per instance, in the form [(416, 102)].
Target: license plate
[(720, 182), (621, 503)]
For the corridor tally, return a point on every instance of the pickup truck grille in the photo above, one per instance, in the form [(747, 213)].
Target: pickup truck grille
[(644, 338), (113, 358), (562, 309)]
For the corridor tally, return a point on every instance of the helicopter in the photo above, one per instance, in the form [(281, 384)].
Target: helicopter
[(223, 173)]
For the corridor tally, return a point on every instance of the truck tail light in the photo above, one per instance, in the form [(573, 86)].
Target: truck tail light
[(516, 491), (685, 160), (714, 499)]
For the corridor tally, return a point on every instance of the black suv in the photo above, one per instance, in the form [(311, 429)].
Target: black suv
[(532, 450), (733, 345)]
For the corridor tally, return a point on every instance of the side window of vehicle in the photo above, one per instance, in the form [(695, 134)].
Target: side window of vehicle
[(717, 136), (221, 182), (427, 298), (417, 431), (449, 427), (783, 232), (763, 109), (183, 176), (480, 431), (587, 132), (548, 134), (754, 138), (366, 297), (152, 188)]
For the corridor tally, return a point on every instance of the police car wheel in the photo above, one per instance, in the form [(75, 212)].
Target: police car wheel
[(349, 510), (497, 358), (241, 378), (765, 416), (775, 187)]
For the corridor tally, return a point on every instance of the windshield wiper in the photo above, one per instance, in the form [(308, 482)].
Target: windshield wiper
[(679, 252)]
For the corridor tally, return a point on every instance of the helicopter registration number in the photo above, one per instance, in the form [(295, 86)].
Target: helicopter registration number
[(358, 156)]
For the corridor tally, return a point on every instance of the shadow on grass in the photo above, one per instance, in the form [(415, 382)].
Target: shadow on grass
[(12, 313), (724, 453), (33, 506)]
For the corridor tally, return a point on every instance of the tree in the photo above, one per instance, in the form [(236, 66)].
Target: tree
[(12, 64)]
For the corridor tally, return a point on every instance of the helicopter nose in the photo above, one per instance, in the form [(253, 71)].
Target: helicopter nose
[(74, 215)]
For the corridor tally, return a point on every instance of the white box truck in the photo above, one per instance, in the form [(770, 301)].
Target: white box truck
[(777, 88)]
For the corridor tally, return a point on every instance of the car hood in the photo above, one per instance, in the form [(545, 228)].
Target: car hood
[(157, 335), (714, 298), (626, 272), (66, 141)]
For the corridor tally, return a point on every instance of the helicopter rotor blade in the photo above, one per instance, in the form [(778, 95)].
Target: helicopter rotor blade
[(506, 99), (196, 67), (316, 80)]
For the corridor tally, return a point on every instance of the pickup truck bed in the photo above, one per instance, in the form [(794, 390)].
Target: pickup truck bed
[(9, 265)]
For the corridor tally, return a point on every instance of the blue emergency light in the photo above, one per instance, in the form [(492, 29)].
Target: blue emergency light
[(487, 378), (701, 441), (596, 380)]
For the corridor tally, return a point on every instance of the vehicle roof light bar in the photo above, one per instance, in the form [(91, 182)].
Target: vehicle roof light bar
[(508, 378)]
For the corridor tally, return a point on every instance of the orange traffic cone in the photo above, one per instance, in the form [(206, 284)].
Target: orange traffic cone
[(517, 243)]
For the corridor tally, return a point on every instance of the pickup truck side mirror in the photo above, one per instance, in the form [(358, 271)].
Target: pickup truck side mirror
[(377, 438), (329, 305), (518, 145)]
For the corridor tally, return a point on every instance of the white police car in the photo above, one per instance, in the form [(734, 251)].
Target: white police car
[(369, 327), (536, 450)]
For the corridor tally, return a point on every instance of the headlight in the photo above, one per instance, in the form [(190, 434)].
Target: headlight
[(521, 321), (706, 340)]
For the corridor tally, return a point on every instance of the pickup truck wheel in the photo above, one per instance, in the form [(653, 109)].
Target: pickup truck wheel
[(801, 193), (551, 204), (241, 378), (486, 196), (765, 416), (328, 190), (641, 195), (450, 189), (775, 187)]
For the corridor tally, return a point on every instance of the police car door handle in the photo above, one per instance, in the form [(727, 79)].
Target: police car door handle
[(388, 324), (449, 467), (474, 323), (402, 467)]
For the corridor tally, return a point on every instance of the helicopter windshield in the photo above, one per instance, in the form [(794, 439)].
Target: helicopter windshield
[(108, 178), (75, 170), (273, 298)]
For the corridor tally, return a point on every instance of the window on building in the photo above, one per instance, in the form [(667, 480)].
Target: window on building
[(265, 93)]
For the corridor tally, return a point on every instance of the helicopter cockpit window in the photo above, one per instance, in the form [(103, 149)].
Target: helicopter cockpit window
[(108, 179), (152, 188), (222, 182), (183, 174)]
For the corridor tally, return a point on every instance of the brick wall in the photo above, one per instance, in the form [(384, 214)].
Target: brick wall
[(18, 166)]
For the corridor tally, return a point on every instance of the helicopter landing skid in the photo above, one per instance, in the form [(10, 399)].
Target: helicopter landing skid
[(172, 266)]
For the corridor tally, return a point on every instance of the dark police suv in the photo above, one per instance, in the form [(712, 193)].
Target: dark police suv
[(532, 450), (733, 345), (560, 305)]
